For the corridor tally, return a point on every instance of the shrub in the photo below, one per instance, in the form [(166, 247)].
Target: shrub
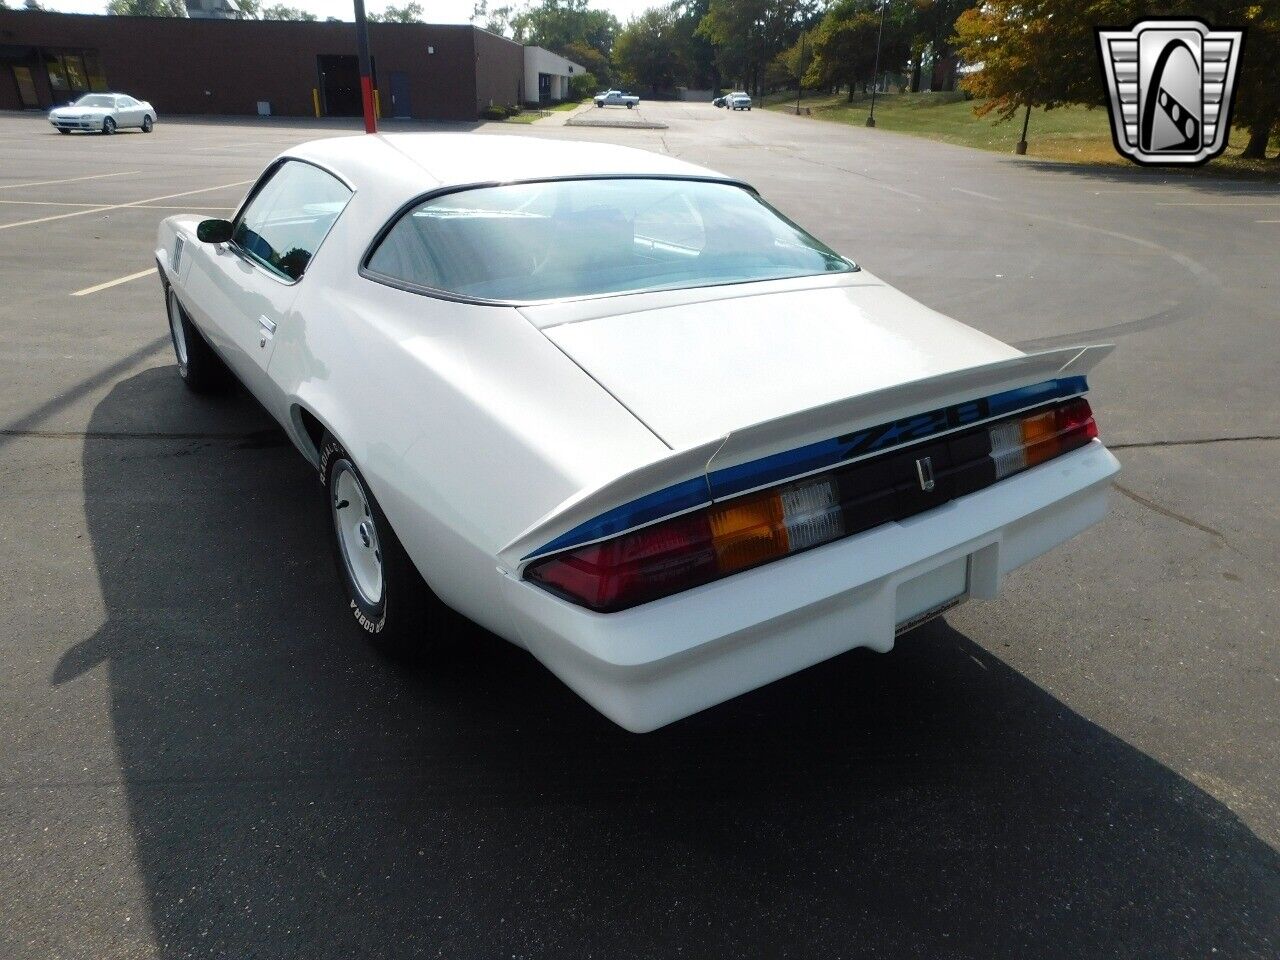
[(581, 86), (494, 113)]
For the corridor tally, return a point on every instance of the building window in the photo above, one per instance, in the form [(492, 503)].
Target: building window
[(57, 76), (97, 77), (76, 75), (76, 72)]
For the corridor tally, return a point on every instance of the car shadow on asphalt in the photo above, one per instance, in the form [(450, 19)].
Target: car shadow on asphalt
[(293, 795)]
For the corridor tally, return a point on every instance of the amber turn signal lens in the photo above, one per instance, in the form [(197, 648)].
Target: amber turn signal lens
[(748, 531)]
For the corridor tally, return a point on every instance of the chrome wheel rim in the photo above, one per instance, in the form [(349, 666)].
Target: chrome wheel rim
[(357, 533), (176, 331)]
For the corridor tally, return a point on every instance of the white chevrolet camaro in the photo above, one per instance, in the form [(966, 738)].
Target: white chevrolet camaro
[(617, 409)]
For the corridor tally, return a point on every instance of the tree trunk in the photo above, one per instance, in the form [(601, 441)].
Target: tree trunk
[(915, 77), (1259, 135)]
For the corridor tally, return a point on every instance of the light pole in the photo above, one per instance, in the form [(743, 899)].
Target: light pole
[(875, 79), (800, 74), (366, 69), (1021, 148)]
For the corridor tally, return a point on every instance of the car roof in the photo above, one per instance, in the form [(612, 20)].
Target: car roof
[(412, 163)]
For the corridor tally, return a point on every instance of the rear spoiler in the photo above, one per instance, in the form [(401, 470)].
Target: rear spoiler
[(805, 441)]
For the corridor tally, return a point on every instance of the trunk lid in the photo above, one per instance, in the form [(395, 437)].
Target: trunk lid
[(697, 365)]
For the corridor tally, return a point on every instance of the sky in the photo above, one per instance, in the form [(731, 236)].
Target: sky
[(436, 11)]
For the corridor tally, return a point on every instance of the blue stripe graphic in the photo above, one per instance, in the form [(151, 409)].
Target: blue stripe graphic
[(778, 467)]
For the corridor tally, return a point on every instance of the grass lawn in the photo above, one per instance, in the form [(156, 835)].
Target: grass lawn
[(529, 116), (1073, 134)]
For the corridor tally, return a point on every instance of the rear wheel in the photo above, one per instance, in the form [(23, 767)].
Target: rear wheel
[(147, 124), (390, 604), (200, 368), (108, 126)]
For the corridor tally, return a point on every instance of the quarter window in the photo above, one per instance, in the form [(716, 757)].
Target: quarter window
[(289, 216)]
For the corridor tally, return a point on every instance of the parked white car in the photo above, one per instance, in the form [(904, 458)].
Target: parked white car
[(104, 113), (616, 98), (615, 408), (739, 101)]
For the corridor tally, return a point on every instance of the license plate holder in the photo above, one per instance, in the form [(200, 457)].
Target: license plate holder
[(931, 594)]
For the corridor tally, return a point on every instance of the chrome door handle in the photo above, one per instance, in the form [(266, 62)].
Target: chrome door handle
[(266, 330)]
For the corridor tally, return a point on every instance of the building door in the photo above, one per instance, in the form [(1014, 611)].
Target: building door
[(26, 88), (544, 87), (340, 85), (400, 95)]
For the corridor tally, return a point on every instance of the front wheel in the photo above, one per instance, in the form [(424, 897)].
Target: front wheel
[(390, 604), (63, 130), (147, 124), (108, 126)]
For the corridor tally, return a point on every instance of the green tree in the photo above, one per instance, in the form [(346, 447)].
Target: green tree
[(647, 53), (1043, 53), (699, 52), (747, 34), (793, 63), (591, 60), (931, 27), (844, 46), (555, 24), (494, 19), (280, 11), (147, 8), (411, 12)]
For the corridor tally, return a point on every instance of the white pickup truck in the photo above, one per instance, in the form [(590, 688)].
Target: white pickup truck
[(616, 98)]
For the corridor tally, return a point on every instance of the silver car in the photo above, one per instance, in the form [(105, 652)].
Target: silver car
[(104, 113)]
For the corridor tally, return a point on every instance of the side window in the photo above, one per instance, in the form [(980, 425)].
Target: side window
[(288, 218)]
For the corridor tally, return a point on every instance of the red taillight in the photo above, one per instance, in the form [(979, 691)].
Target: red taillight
[(664, 558), (696, 548), (736, 534), (1025, 441)]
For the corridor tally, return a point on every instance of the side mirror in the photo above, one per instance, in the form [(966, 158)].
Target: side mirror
[(213, 231)]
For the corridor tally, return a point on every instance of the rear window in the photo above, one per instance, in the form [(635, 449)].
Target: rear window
[(577, 238)]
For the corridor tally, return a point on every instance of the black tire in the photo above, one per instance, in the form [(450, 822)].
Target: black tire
[(199, 367), (63, 130), (405, 621), (630, 105), (108, 126), (147, 123)]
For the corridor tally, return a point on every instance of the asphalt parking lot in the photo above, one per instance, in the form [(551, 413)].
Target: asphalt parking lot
[(196, 762)]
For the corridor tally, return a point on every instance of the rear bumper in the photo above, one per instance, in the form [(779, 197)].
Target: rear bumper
[(656, 663)]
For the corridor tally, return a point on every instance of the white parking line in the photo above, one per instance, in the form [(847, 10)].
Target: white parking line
[(147, 206), (44, 183), (47, 203), (975, 193), (1219, 203), (120, 206), (114, 283)]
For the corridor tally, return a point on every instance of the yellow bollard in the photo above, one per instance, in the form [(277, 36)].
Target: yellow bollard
[(377, 105), (315, 100)]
